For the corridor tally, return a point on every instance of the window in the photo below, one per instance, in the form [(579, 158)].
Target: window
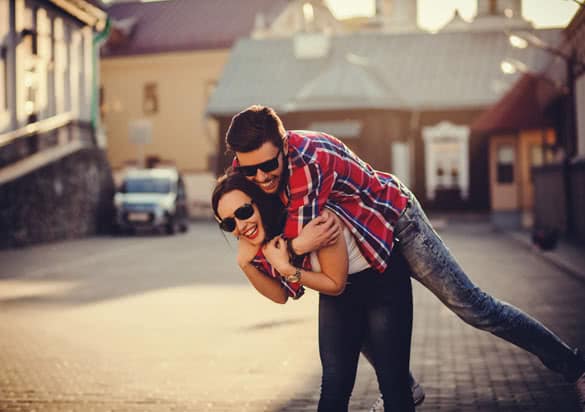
[(74, 72), (446, 159), (27, 82), (150, 99), (493, 7), (506, 154), (43, 60), (60, 67)]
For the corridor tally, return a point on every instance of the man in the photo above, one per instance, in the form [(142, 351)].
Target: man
[(309, 169)]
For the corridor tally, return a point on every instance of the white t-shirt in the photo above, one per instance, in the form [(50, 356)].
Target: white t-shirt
[(356, 260)]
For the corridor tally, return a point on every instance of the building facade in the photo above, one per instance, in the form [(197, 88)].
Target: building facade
[(402, 98), (48, 72)]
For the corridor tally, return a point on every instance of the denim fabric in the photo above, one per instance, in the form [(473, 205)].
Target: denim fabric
[(376, 308), (432, 264)]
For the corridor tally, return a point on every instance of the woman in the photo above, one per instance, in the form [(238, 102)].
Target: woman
[(368, 306)]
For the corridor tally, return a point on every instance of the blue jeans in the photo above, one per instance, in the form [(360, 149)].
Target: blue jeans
[(432, 264), (377, 308)]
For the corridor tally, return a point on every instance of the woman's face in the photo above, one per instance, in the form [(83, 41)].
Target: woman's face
[(251, 229)]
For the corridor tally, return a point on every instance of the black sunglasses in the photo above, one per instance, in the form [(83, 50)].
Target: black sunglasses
[(242, 213), (267, 166)]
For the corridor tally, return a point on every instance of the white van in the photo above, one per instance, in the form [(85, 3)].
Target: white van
[(152, 198)]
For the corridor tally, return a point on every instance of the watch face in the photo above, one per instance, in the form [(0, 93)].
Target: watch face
[(294, 278)]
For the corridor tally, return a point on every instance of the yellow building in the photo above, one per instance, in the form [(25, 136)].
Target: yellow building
[(159, 66)]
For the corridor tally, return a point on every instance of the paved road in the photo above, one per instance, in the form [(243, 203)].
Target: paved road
[(156, 323)]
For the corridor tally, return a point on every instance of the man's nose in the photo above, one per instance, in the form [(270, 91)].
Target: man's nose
[(261, 176)]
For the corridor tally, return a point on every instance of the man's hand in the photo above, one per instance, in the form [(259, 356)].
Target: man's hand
[(246, 252), (322, 231)]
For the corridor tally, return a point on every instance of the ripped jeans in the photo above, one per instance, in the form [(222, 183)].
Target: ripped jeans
[(431, 263)]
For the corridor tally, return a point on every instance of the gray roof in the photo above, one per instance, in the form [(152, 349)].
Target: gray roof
[(419, 71)]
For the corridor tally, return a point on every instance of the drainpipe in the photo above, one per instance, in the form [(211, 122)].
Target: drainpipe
[(98, 39)]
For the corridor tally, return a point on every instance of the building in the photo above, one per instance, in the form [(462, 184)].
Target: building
[(159, 66), (549, 104), (401, 98), (54, 178)]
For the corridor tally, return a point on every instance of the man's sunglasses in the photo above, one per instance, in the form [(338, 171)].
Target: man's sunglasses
[(242, 213), (267, 166)]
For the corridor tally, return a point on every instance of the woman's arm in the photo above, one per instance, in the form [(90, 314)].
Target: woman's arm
[(333, 260), (265, 285)]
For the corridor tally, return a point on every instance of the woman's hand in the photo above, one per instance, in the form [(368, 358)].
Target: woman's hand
[(277, 255), (246, 252)]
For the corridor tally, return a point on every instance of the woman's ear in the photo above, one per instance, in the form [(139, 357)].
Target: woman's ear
[(285, 146)]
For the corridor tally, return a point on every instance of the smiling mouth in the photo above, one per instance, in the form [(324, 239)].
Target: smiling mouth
[(251, 233), (269, 184)]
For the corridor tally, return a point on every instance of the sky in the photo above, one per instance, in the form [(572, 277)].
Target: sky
[(433, 14)]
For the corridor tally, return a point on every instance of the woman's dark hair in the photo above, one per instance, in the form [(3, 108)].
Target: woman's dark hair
[(253, 127), (272, 211)]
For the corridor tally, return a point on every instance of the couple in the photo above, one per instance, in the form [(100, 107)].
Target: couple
[(311, 172)]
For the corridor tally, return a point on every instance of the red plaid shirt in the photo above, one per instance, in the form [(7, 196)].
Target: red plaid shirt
[(322, 170)]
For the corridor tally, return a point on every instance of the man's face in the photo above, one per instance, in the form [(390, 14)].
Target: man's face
[(263, 166)]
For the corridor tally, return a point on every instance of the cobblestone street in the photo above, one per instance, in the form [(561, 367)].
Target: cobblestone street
[(156, 323)]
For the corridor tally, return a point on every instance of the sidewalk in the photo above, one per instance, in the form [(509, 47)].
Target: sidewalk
[(567, 256)]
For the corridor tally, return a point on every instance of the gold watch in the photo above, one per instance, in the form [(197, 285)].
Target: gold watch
[(294, 278)]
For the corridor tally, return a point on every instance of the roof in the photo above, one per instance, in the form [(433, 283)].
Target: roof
[(521, 108), (179, 25), (89, 12), (421, 71)]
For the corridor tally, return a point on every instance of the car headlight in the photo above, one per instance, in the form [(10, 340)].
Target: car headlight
[(118, 200)]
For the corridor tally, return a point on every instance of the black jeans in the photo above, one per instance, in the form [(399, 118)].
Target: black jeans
[(377, 308)]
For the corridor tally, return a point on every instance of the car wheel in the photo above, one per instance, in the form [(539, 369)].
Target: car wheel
[(170, 227)]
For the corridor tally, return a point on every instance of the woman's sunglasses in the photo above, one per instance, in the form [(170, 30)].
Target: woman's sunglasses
[(242, 213), (267, 166)]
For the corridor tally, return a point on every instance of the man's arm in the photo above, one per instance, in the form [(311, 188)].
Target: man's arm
[(310, 187)]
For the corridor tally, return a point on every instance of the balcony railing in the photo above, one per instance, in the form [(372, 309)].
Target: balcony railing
[(42, 135)]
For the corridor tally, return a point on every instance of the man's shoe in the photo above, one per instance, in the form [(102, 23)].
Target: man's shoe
[(580, 388), (418, 395)]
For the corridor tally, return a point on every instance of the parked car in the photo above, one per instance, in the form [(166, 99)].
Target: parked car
[(152, 198)]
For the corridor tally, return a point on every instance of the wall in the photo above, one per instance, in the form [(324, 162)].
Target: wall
[(180, 132), (69, 198)]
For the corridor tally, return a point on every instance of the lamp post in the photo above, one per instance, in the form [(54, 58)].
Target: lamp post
[(523, 40)]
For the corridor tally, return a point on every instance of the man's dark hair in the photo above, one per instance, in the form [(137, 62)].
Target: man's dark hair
[(272, 211), (253, 127)]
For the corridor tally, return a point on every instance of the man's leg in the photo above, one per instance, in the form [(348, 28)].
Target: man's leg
[(433, 265)]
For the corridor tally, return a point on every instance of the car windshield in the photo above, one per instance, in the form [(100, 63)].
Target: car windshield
[(147, 185)]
